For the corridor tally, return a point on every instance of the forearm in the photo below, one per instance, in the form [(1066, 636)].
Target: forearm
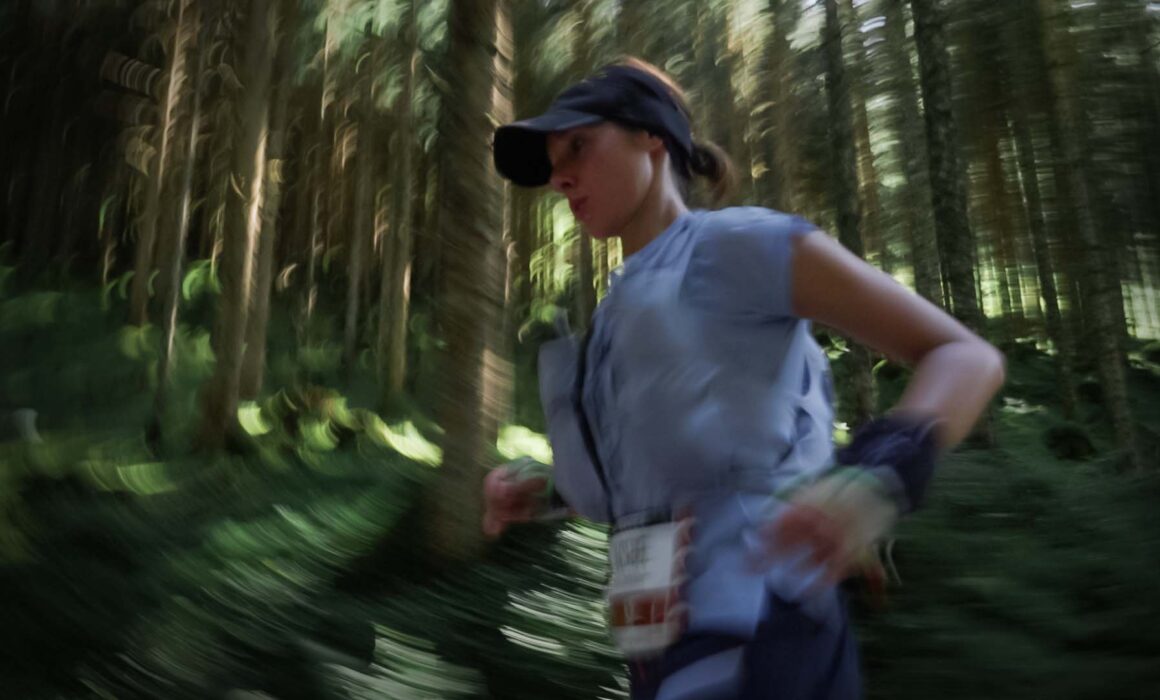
[(953, 384)]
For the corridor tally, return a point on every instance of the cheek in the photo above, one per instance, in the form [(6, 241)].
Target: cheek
[(619, 190)]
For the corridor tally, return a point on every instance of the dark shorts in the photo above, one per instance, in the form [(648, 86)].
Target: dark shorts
[(792, 657)]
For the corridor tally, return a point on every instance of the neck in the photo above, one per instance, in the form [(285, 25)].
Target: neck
[(660, 208)]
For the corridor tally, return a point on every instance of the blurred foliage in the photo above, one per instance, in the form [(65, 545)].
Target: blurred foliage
[(287, 566)]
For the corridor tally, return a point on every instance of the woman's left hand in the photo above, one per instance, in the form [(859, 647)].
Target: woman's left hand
[(837, 520)]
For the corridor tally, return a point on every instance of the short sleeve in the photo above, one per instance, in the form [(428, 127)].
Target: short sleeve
[(741, 263), (575, 475)]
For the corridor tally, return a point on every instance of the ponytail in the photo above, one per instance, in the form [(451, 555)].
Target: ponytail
[(710, 161)]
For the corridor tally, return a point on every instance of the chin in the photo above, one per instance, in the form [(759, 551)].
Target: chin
[(598, 232)]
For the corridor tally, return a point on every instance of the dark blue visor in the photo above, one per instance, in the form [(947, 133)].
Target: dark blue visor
[(621, 94)]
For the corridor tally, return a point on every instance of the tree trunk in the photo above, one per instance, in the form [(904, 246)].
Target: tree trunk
[(176, 90), (859, 396), (363, 206), (523, 200), (498, 369), (258, 319), (45, 191), (948, 184), (395, 291), (301, 250), (777, 182), (469, 307), (867, 177), (995, 199), (242, 225), (177, 196), (46, 156), (1101, 296)]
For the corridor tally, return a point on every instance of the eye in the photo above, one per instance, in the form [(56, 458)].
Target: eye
[(576, 144)]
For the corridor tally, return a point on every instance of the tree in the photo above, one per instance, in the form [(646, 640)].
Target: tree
[(469, 225), (242, 224), (394, 293), (173, 99), (873, 234), (1101, 298), (177, 191), (956, 242), (948, 177), (258, 317), (860, 395), (906, 122)]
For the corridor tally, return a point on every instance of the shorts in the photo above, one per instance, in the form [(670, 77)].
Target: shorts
[(791, 657)]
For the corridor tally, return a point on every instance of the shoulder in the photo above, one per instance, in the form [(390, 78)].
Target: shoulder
[(753, 222), (741, 260)]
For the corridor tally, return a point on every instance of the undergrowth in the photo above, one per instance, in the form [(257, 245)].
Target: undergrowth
[(132, 568)]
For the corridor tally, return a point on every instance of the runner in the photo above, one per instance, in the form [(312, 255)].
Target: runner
[(696, 414)]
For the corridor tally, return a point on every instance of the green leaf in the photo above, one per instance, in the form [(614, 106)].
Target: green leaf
[(318, 435), (251, 419)]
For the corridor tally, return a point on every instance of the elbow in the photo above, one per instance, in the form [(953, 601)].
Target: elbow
[(995, 367)]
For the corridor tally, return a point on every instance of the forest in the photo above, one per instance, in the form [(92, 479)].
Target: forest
[(268, 315)]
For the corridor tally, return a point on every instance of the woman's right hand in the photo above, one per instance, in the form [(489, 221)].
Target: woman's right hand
[(511, 495)]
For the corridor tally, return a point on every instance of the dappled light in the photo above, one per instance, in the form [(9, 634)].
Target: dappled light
[(269, 317)]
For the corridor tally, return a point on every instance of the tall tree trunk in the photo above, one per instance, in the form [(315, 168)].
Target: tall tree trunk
[(395, 291), (320, 159), (1145, 45), (220, 147), (301, 251), (859, 397), (45, 191), (738, 133), (363, 205), (995, 199), (871, 206), (523, 200), (176, 200), (15, 124), (147, 234), (498, 369), (948, 183), (258, 318), (777, 181), (470, 225), (46, 152), (242, 225), (1101, 297)]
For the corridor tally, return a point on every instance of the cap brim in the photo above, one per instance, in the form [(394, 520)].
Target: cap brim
[(520, 148)]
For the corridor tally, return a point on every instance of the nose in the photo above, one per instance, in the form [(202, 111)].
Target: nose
[(561, 180)]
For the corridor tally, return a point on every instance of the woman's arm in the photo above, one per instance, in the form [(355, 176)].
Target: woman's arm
[(956, 372)]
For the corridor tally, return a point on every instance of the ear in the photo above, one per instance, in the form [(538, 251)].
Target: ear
[(649, 141)]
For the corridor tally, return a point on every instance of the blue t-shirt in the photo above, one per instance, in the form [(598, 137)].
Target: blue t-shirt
[(703, 392)]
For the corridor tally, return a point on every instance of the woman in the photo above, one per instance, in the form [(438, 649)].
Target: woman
[(696, 416)]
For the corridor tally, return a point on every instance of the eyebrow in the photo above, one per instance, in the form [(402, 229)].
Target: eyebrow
[(560, 136)]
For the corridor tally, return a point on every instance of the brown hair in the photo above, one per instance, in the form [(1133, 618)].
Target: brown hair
[(707, 160)]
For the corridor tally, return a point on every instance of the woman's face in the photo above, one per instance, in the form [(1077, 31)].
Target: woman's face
[(605, 171)]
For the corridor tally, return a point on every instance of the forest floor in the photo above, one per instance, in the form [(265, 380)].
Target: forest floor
[(133, 567)]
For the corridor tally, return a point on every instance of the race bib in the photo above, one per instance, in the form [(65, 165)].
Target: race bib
[(645, 606)]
